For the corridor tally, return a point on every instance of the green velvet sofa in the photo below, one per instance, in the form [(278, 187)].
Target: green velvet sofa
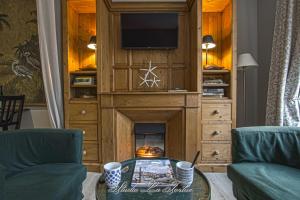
[(41, 164), (266, 163)]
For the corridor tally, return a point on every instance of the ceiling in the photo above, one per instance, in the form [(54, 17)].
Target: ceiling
[(208, 5), (89, 6), (148, 0), (214, 5), (83, 6)]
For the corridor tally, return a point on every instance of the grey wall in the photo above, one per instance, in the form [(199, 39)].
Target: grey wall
[(255, 35), (35, 118), (247, 35), (266, 21)]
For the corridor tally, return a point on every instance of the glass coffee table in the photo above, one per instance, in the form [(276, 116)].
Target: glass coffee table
[(199, 190)]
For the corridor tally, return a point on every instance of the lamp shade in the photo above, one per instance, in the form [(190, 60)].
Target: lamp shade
[(246, 60), (92, 43), (208, 42)]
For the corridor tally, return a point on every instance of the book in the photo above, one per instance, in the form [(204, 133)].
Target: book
[(149, 172)]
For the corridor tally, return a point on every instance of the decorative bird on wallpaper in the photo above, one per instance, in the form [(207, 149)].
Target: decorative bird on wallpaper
[(21, 70), (28, 58), (4, 21), (27, 55)]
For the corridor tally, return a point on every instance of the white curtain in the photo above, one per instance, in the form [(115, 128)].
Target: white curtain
[(48, 13), (283, 105)]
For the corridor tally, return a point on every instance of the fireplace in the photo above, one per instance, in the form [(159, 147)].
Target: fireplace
[(149, 140)]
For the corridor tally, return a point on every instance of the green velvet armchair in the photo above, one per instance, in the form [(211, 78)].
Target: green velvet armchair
[(41, 164), (266, 163)]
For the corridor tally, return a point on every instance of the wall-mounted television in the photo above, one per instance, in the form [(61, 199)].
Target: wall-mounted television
[(149, 30)]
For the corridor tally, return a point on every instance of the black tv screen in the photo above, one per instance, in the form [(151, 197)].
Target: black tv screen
[(149, 30)]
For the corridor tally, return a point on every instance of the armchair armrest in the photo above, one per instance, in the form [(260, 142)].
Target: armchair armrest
[(23, 148), (267, 144)]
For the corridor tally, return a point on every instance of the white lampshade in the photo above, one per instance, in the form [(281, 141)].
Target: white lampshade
[(246, 60)]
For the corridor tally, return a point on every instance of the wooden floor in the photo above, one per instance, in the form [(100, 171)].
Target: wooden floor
[(220, 185)]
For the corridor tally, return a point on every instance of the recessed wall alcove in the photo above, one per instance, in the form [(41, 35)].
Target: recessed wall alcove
[(174, 135)]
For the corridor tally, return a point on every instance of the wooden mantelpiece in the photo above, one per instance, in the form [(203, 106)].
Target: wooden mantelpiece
[(150, 100), (180, 111), (193, 122)]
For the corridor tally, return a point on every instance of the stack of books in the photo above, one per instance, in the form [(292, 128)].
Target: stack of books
[(149, 172), (213, 92)]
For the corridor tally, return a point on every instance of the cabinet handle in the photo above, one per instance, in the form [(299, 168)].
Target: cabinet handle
[(84, 152), (83, 132), (216, 112), (216, 153), (83, 112), (217, 133)]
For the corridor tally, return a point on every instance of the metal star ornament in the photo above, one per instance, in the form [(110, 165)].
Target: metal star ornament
[(150, 79)]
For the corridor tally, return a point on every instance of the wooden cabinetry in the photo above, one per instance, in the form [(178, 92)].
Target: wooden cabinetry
[(195, 122), (81, 104), (219, 111), (84, 116), (216, 125)]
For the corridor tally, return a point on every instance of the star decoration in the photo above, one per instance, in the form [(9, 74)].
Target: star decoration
[(150, 79)]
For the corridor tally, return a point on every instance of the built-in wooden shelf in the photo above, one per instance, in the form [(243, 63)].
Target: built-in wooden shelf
[(207, 99), (83, 86), (215, 71), (214, 98), (82, 100), (216, 85), (83, 72), (150, 93)]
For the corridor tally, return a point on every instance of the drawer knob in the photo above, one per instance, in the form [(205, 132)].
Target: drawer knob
[(83, 112), (84, 152), (216, 153), (216, 112), (217, 133), (83, 132)]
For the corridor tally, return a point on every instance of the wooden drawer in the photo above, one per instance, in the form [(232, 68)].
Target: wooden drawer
[(216, 111), (216, 132), (89, 130), (84, 112), (216, 152), (90, 152)]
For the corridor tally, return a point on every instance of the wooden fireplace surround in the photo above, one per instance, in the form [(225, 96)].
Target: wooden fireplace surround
[(178, 111), (194, 122)]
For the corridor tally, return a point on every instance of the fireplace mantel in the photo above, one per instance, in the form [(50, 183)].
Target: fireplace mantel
[(150, 99), (180, 112)]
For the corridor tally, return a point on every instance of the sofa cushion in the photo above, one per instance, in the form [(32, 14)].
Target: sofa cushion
[(20, 149), (280, 145), (47, 182), (263, 181)]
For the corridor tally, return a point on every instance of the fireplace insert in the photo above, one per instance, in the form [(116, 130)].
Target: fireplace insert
[(149, 140)]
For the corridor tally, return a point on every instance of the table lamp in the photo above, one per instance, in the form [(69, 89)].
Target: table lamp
[(208, 43), (92, 43)]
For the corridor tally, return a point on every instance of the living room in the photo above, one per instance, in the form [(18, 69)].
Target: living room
[(149, 99)]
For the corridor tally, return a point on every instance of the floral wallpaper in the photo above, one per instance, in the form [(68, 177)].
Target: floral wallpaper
[(20, 65)]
